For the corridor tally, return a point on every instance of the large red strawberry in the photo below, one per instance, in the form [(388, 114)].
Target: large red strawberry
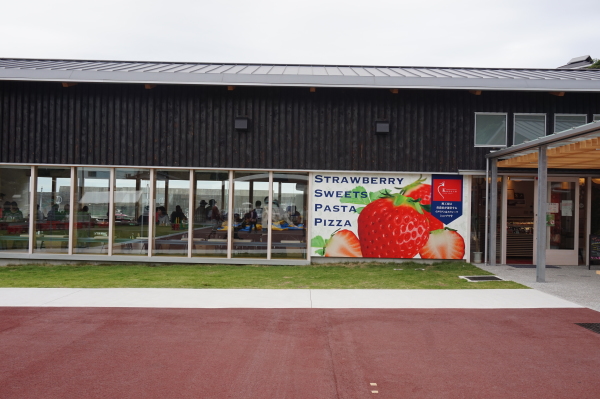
[(444, 244), (343, 243), (392, 227), (420, 190)]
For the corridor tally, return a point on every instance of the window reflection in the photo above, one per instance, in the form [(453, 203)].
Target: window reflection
[(172, 212), (53, 199), (249, 237), (14, 211), (211, 195), (132, 211), (91, 211), (290, 205)]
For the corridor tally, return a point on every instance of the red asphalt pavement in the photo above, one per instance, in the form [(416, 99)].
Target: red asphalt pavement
[(297, 353)]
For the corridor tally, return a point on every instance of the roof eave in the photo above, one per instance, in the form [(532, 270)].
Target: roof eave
[(566, 85)]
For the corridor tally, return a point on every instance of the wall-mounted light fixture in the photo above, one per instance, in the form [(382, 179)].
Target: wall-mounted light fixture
[(382, 127), (242, 123)]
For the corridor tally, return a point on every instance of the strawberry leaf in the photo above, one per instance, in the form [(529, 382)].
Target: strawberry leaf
[(320, 251), (379, 194), (318, 241), (359, 210), (359, 198), (426, 208)]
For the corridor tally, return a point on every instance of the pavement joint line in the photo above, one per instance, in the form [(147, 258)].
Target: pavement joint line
[(75, 291)]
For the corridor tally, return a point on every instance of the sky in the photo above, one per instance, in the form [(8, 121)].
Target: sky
[(459, 33)]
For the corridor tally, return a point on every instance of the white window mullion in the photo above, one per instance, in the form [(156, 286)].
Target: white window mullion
[(33, 209), (72, 209), (111, 211), (191, 207), (269, 216), (151, 212), (230, 216), (308, 217)]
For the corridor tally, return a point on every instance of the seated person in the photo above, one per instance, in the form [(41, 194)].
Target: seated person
[(178, 216)]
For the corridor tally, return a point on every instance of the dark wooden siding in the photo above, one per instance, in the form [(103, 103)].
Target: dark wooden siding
[(291, 128)]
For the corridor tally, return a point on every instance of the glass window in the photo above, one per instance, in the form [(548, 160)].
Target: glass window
[(490, 130), (250, 192), (290, 204), (564, 122), (54, 197), (14, 215), (212, 201), (91, 211), (596, 117), (172, 212), (529, 127), (132, 211)]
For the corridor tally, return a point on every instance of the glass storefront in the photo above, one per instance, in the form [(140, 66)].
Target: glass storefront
[(132, 211), (212, 203), (91, 211), (250, 235), (14, 215), (290, 205), (54, 200), (172, 212)]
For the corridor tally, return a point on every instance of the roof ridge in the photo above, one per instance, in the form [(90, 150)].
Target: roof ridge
[(282, 64)]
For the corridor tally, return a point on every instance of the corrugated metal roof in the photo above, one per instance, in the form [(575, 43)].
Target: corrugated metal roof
[(299, 75)]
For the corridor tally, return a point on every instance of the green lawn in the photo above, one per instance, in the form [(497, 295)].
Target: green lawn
[(341, 275)]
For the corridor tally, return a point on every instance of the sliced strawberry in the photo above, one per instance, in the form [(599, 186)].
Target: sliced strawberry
[(444, 244), (343, 243)]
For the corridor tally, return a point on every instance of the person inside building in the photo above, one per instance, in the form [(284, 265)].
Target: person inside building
[(163, 217), (294, 215), (252, 219), (15, 214), (200, 214), (277, 215), (6, 209), (214, 215), (66, 213), (53, 213), (177, 216)]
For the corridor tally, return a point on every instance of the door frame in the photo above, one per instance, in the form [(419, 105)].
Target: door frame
[(560, 256)]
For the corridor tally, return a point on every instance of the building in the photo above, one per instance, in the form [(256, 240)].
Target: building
[(90, 150)]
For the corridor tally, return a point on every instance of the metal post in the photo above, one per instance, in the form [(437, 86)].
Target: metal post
[(487, 212), (493, 200), (542, 207)]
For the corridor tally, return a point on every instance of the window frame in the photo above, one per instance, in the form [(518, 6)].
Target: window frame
[(555, 115), (505, 130), (530, 114)]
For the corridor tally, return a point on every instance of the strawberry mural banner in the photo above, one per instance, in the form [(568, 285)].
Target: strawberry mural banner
[(401, 216)]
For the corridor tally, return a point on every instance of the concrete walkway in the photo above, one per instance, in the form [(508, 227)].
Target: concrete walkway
[(573, 283), (277, 299)]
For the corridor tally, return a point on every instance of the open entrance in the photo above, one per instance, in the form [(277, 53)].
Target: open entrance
[(565, 220), (520, 213)]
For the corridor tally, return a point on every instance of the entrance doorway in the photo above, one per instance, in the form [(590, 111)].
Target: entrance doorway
[(519, 211), (562, 221)]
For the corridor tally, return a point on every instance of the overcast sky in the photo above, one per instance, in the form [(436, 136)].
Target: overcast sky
[(463, 33)]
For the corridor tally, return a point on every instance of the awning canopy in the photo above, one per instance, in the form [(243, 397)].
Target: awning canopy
[(577, 148)]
